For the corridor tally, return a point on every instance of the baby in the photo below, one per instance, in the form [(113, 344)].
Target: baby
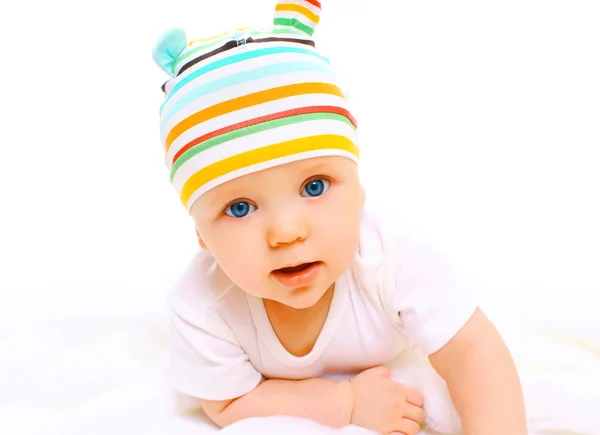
[(300, 296)]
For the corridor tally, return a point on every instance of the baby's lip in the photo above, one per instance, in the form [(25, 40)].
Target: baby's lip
[(302, 275), (296, 267)]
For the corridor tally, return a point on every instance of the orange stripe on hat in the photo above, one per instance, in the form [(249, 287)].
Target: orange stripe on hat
[(249, 101), (300, 9)]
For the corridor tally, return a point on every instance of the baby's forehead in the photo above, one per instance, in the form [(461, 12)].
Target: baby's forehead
[(319, 165), (292, 172)]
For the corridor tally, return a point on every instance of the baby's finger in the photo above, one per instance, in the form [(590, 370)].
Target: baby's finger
[(414, 413), (414, 396), (379, 371), (406, 427)]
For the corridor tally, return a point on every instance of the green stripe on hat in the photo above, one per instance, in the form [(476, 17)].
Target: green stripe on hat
[(293, 22)]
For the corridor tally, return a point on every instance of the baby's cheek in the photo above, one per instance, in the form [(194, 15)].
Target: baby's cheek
[(239, 262), (340, 239), (244, 269), (245, 276), (344, 228)]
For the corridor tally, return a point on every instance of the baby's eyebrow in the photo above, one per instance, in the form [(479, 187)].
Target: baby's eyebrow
[(316, 167), (221, 198)]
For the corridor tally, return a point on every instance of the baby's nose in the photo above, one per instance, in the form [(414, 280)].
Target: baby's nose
[(288, 227)]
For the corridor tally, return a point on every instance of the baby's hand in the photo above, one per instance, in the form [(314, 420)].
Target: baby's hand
[(386, 406)]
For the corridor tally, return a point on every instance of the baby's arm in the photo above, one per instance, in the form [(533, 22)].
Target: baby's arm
[(207, 362), (482, 379), (326, 402)]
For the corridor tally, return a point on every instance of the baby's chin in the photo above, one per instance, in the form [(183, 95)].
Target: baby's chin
[(298, 299), (302, 299)]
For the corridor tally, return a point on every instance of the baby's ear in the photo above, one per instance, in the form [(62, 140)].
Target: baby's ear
[(168, 48), (201, 241), (302, 15), (363, 196)]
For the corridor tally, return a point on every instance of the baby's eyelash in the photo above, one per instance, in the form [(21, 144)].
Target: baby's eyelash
[(235, 201), (316, 177)]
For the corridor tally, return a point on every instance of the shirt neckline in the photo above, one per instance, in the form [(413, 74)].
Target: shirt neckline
[(269, 338)]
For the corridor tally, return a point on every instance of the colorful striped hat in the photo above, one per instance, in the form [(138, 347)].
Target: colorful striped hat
[(250, 99)]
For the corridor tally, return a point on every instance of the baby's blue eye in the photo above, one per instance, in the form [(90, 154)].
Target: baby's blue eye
[(240, 209), (315, 187)]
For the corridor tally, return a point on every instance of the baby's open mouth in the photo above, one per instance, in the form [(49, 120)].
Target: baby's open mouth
[(295, 277), (295, 269)]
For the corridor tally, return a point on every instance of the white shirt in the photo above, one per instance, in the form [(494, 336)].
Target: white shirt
[(399, 290)]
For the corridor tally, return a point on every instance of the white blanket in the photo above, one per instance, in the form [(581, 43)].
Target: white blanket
[(103, 375)]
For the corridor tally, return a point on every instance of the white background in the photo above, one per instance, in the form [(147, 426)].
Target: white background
[(480, 121)]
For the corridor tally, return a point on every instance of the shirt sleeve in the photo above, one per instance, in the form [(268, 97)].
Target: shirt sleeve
[(205, 361), (427, 295)]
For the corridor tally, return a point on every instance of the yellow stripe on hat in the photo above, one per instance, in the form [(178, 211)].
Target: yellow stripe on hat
[(261, 155), (212, 38)]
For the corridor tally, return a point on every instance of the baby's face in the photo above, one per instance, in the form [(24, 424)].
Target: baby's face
[(285, 233)]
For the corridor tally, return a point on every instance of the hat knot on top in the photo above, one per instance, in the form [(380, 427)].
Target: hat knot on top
[(168, 48)]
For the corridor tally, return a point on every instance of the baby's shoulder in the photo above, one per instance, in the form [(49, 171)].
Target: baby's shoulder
[(382, 233), (390, 249), (203, 291), (379, 237)]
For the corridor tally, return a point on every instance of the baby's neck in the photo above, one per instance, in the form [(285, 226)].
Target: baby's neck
[(298, 330)]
